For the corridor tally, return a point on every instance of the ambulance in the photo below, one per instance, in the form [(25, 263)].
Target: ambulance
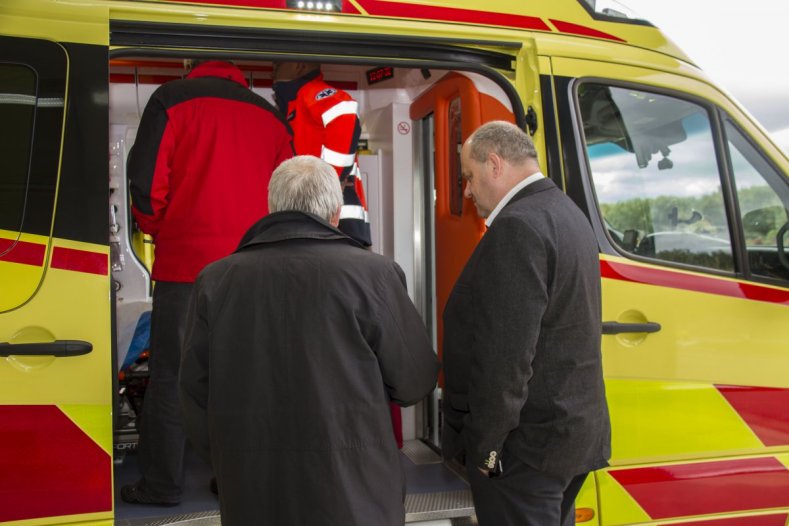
[(687, 195)]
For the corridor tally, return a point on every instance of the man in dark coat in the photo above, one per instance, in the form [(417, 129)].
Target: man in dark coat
[(524, 400), (295, 345)]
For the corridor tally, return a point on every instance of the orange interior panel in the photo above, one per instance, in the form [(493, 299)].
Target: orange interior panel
[(456, 231)]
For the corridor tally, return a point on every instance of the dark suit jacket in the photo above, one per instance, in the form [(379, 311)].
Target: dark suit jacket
[(522, 356)]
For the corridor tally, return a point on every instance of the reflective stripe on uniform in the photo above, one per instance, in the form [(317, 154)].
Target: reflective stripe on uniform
[(337, 158), (346, 107), (353, 212)]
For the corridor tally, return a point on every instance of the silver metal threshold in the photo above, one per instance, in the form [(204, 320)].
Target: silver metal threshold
[(455, 507)]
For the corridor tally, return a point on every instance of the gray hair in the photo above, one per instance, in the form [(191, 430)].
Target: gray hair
[(503, 138), (305, 184)]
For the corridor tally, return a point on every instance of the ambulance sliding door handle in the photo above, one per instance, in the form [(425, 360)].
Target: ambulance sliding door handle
[(614, 327), (58, 348)]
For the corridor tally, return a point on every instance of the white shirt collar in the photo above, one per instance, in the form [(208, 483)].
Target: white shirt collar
[(506, 199)]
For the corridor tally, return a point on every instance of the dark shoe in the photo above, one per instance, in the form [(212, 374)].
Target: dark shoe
[(135, 494), (213, 486)]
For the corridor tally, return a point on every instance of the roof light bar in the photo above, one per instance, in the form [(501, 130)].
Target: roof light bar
[(324, 6)]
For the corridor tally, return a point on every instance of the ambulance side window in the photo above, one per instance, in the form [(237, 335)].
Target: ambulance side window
[(31, 122), (763, 198), (17, 115), (655, 175), (32, 106)]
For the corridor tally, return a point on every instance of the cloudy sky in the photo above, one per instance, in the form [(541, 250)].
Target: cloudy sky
[(741, 45)]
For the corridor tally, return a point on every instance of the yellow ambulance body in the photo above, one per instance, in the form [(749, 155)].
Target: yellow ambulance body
[(686, 193)]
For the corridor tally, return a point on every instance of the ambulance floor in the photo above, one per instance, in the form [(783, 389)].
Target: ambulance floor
[(433, 491)]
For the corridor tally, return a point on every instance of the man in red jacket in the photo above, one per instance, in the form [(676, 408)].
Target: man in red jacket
[(325, 123), (199, 170)]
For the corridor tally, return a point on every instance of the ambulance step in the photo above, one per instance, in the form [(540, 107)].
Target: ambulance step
[(205, 518), (436, 495), (434, 490), (435, 506), (198, 519)]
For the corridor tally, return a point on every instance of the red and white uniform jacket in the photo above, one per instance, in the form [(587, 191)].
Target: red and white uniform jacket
[(200, 167), (325, 123)]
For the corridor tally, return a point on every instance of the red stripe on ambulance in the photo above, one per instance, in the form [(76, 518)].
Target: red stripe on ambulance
[(13, 251), (764, 409), (79, 261), (452, 14), (62, 258), (707, 487), (759, 520), (694, 282), (49, 466), (437, 13), (575, 29)]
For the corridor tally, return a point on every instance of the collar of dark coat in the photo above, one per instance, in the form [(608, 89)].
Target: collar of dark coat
[(281, 226), (537, 186)]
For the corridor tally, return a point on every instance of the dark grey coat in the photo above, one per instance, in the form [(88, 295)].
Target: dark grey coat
[(522, 328), (295, 345)]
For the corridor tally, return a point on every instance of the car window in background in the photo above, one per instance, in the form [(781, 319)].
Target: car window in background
[(763, 197)]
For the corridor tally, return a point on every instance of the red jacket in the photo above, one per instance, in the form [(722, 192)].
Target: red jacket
[(325, 123), (200, 167)]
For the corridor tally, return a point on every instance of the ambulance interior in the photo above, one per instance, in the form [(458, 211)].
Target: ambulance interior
[(413, 124)]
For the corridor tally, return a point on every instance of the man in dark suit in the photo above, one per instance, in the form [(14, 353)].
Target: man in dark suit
[(524, 400)]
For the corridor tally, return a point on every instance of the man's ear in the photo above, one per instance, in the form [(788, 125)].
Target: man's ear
[(496, 164), (335, 218)]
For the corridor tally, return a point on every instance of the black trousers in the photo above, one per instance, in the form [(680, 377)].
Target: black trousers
[(523, 496), (162, 438)]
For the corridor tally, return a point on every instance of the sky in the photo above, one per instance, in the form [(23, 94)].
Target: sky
[(742, 46)]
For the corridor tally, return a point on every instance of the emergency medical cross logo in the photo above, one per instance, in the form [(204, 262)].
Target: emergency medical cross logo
[(328, 92)]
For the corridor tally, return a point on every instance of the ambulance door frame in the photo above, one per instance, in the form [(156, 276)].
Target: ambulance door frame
[(278, 42), (160, 40), (424, 255)]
